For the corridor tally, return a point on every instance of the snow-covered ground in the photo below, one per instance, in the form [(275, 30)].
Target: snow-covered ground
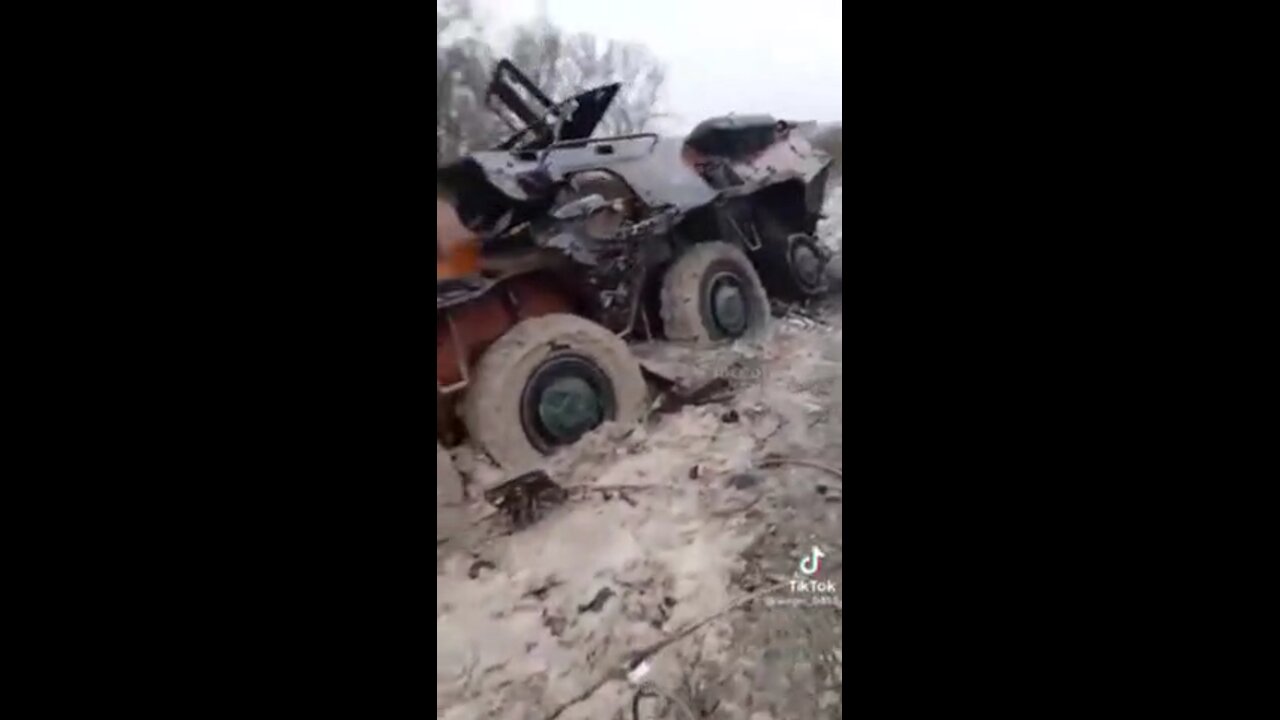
[(668, 524)]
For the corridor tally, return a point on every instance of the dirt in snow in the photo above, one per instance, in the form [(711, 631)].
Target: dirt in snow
[(666, 525)]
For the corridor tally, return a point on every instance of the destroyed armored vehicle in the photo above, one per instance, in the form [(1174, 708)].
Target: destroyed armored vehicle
[(555, 248)]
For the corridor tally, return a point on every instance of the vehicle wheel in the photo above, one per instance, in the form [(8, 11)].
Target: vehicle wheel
[(547, 382), (712, 293), (792, 264)]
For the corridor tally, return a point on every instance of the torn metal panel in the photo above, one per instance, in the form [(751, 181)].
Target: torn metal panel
[(653, 167), (554, 220), (660, 177), (793, 158)]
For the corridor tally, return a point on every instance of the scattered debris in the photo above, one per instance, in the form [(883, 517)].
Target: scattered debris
[(540, 592), (525, 498), (717, 389), (554, 623), (477, 566), (645, 653), (797, 313), (598, 601), (765, 426), (703, 524), (651, 690), (739, 509), (774, 462), (638, 672), (559, 237)]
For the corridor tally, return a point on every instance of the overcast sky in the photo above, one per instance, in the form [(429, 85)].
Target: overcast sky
[(743, 56)]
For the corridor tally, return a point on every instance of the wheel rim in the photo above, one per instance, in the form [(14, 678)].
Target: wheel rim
[(566, 397), (806, 264), (728, 304)]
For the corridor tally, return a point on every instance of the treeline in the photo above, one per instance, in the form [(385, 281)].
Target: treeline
[(559, 63)]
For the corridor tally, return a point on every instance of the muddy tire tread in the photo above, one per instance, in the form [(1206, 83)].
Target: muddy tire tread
[(682, 285), (491, 407)]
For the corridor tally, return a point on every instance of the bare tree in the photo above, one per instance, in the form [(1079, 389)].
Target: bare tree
[(564, 64), (463, 63), (560, 64)]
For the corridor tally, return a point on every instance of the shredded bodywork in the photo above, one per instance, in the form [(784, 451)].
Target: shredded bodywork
[(556, 220)]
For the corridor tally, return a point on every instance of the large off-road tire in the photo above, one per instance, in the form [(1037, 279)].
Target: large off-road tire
[(711, 294), (545, 383), (792, 264)]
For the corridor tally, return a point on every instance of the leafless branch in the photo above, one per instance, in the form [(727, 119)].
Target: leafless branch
[(560, 64)]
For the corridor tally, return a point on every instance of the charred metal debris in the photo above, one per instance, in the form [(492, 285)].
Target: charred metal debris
[(526, 498), (606, 215)]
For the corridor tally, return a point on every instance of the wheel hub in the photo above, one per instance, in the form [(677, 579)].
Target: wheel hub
[(728, 305), (806, 263), (569, 407), (564, 398)]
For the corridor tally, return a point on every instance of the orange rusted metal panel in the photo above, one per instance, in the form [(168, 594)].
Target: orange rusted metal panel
[(537, 296), (457, 247), (481, 321)]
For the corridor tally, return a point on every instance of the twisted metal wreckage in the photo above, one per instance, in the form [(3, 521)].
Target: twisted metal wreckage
[(555, 248)]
